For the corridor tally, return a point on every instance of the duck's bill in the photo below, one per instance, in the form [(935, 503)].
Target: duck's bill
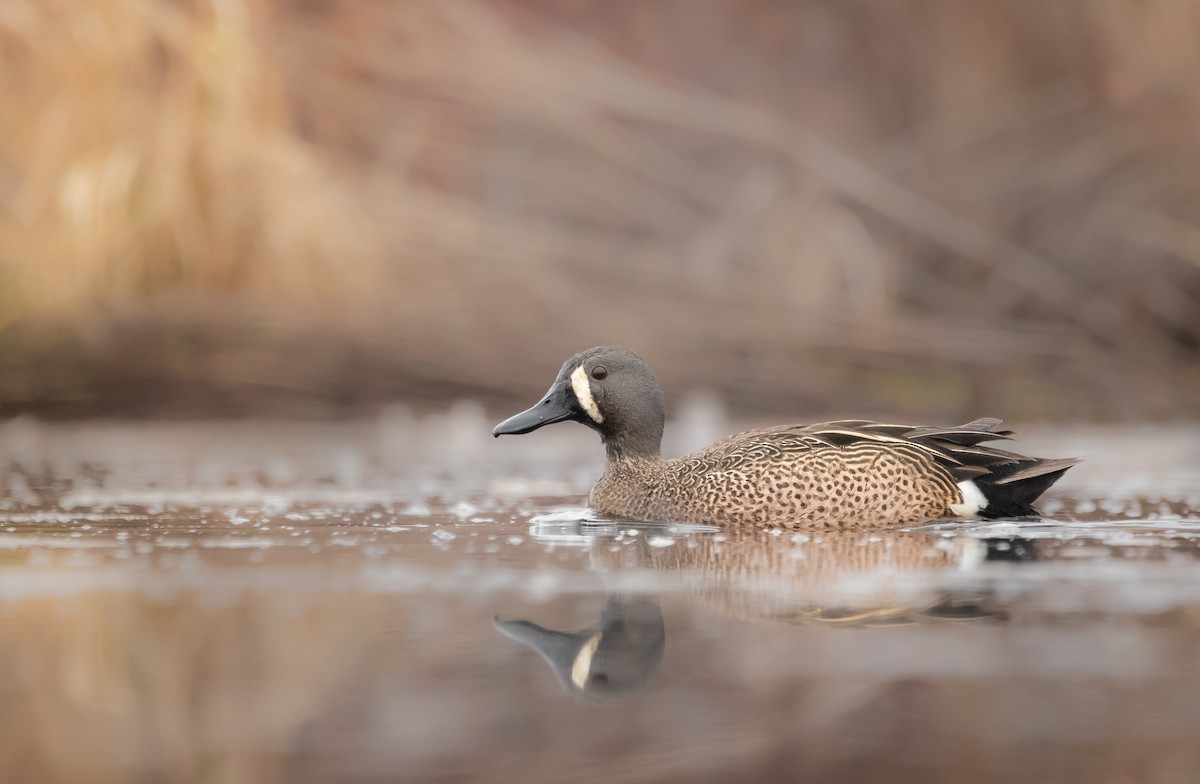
[(558, 405), (557, 647)]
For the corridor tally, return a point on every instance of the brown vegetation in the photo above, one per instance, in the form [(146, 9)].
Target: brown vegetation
[(924, 209)]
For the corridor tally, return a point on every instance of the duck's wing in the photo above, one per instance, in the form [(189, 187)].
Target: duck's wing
[(1009, 481), (957, 449)]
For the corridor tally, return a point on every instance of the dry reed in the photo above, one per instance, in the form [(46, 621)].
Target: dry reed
[(148, 153), (926, 210)]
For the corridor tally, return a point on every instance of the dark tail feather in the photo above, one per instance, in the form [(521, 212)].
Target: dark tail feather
[(1011, 488)]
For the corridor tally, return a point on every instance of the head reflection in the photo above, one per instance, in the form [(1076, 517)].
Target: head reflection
[(611, 659)]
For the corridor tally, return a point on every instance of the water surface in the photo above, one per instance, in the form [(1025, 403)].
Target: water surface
[(403, 601)]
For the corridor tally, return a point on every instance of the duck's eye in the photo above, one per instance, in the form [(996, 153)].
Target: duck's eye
[(599, 372)]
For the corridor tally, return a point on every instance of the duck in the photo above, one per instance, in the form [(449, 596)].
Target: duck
[(846, 474)]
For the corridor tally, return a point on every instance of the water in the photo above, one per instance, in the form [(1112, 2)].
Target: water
[(364, 603)]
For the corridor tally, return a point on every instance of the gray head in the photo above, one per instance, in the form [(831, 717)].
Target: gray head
[(611, 390)]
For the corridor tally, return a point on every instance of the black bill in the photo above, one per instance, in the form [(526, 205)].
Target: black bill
[(558, 405)]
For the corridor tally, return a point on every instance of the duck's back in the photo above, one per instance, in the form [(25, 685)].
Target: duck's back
[(849, 474)]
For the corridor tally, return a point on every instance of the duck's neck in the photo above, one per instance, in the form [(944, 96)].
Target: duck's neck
[(634, 432), (632, 444)]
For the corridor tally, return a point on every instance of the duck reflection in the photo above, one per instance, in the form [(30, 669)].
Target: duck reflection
[(837, 578), (610, 659), (841, 579)]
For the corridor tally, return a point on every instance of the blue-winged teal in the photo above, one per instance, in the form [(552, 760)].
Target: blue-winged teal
[(844, 474)]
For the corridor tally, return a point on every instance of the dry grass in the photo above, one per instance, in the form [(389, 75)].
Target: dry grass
[(148, 153), (928, 209)]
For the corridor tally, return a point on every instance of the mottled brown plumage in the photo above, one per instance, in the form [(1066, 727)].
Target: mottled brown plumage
[(846, 474)]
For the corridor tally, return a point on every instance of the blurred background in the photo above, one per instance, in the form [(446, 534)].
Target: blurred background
[(377, 226), (318, 207)]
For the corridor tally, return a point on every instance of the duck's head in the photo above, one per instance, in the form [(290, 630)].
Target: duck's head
[(608, 388)]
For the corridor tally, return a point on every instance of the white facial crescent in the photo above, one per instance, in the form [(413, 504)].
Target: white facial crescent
[(583, 392)]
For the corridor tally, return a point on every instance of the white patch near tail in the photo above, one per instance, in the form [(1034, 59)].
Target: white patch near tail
[(583, 392), (974, 501), (583, 661)]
